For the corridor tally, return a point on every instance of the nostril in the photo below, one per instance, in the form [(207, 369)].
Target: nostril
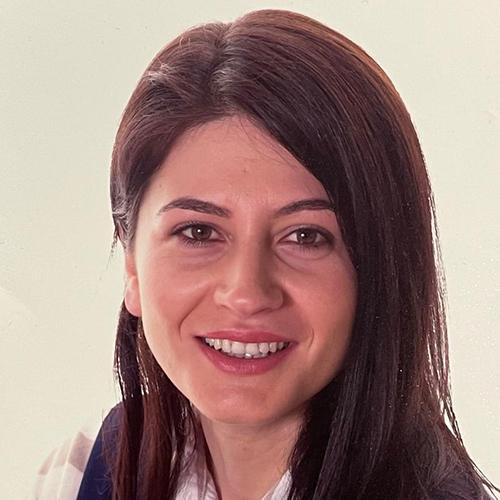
[(249, 299)]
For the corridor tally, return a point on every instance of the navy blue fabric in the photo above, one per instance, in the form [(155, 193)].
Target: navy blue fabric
[(96, 482)]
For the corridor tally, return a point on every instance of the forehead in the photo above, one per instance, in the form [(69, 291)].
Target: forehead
[(233, 158)]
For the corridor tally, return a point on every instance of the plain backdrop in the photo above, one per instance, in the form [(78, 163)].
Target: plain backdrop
[(66, 72)]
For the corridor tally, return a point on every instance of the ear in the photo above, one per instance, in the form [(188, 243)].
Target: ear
[(132, 296)]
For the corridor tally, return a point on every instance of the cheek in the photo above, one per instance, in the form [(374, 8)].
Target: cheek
[(168, 296), (169, 290), (329, 307), (328, 298), (173, 295)]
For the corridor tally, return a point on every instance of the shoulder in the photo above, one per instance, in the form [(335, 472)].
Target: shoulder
[(60, 475)]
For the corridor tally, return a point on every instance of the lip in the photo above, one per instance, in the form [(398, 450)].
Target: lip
[(242, 366), (247, 336)]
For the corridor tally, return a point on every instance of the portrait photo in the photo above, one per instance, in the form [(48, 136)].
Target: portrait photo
[(250, 250)]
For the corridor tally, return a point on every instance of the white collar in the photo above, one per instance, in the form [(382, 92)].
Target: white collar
[(196, 482)]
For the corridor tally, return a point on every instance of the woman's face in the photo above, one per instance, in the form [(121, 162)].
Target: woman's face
[(227, 253)]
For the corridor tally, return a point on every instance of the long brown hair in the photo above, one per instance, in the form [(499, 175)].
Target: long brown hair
[(384, 427)]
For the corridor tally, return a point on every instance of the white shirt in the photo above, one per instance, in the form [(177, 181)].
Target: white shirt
[(61, 474)]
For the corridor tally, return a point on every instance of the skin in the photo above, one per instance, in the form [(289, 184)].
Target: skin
[(252, 272)]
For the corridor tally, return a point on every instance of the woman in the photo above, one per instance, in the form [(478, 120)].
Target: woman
[(282, 333)]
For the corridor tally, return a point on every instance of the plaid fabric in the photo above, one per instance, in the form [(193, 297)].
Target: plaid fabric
[(60, 476)]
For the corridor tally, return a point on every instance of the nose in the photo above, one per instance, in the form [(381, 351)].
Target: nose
[(246, 282)]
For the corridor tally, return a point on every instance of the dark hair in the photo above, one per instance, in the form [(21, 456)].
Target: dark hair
[(384, 427)]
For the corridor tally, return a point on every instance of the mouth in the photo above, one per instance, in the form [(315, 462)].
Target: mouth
[(244, 350)]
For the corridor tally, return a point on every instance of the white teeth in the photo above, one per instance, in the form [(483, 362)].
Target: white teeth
[(252, 349), (238, 348), (245, 350), (264, 347), (226, 345)]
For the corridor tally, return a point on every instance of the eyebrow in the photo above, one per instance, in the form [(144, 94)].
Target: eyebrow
[(206, 207)]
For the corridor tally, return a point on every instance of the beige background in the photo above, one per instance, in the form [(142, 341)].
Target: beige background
[(67, 69)]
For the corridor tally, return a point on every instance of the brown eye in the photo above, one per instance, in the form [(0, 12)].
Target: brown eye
[(195, 234), (310, 239), (199, 232), (307, 236)]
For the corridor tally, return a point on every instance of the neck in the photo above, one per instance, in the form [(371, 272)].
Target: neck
[(248, 460)]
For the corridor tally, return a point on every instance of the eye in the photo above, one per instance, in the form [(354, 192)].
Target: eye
[(195, 234), (310, 238)]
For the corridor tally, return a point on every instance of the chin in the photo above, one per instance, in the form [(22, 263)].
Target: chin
[(247, 413), (234, 412)]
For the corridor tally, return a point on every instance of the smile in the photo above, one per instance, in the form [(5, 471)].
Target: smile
[(245, 350)]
